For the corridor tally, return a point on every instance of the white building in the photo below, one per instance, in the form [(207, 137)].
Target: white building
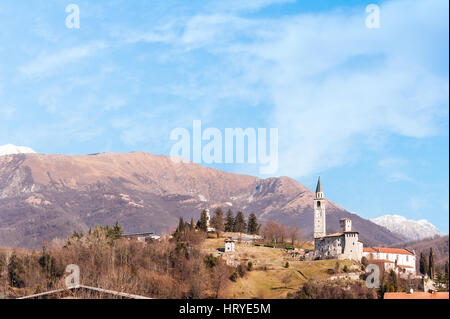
[(402, 261), (342, 245), (229, 245)]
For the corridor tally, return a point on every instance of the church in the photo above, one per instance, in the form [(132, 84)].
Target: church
[(342, 245)]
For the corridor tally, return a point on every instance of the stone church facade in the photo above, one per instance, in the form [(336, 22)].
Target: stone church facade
[(342, 245)]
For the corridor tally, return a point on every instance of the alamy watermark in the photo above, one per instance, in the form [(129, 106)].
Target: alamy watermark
[(73, 19), (373, 18), (250, 145), (73, 279)]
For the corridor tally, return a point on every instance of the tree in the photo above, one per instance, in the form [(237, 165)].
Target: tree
[(217, 221), (229, 221), (16, 272), (239, 223), (446, 270), (294, 234), (431, 264), (181, 230), (117, 231), (203, 224), (423, 264), (274, 232), (252, 227)]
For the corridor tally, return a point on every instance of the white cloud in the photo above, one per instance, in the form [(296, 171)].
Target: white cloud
[(48, 63), (335, 85)]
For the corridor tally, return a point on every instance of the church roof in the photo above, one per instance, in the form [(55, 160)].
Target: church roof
[(319, 186), (393, 251)]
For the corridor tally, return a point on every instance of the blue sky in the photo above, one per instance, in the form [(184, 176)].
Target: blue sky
[(367, 109)]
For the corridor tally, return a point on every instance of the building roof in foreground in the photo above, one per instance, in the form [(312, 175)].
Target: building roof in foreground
[(368, 250), (416, 295), (393, 251)]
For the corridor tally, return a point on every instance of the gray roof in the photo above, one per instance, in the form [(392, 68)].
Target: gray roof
[(319, 186)]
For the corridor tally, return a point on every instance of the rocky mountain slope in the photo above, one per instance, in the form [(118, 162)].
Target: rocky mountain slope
[(411, 229), (48, 196)]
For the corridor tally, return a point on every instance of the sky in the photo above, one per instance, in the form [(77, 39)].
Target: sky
[(364, 108)]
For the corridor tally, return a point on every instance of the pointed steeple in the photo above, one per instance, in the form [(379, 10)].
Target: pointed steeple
[(319, 187)]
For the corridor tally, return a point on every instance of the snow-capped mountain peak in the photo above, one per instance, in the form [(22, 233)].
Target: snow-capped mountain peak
[(411, 229), (9, 149)]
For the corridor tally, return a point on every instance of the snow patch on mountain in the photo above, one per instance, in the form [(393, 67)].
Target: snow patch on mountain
[(10, 149), (411, 229)]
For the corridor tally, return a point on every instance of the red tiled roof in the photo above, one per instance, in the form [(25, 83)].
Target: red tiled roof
[(368, 250), (416, 295), (404, 266), (393, 251)]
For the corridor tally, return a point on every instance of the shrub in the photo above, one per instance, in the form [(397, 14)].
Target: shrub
[(241, 269), (286, 265), (345, 269), (250, 266), (234, 276)]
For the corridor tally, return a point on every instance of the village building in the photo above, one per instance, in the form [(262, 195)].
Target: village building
[(142, 237), (402, 261), (342, 245), (229, 245)]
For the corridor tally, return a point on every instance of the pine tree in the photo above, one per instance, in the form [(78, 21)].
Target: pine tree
[(203, 225), (217, 220), (423, 265), (229, 221), (431, 264), (252, 227), (446, 270), (117, 231), (239, 223)]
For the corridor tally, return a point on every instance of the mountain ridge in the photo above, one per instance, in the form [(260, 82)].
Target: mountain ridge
[(43, 196)]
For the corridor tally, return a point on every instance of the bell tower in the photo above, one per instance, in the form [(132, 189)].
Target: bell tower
[(319, 212)]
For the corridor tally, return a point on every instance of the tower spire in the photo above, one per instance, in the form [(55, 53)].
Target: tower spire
[(319, 187)]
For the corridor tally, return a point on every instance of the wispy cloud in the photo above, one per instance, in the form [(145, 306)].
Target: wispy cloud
[(47, 64), (333, 84)]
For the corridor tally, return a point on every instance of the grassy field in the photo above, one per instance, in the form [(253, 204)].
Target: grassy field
[(269, 277)]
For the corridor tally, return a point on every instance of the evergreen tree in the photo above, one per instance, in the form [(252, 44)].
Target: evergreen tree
[(431, 264), (217, 220), (192, 225), (439, 275), (446, 270), (203, 225), (253, 226), (16, 272), (117, 231), (181, 230), (229, 221), (423, 264), (239, 225)]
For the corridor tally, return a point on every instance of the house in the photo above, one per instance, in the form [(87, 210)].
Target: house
[(229, 245), (416, 295), (402, 261), (142, 237)]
